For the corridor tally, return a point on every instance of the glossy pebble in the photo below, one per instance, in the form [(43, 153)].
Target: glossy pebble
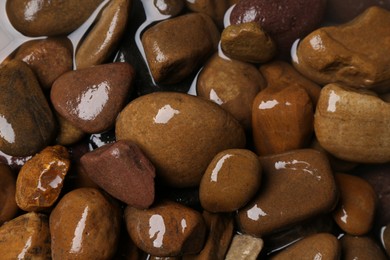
[(361, 247)]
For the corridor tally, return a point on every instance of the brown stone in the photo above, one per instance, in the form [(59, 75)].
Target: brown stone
[(102, 40), (122, 170), (354, 53), (27, 123), (353, 125), (49, 18), (282, 119), (48, 58), (361, 247), (231, 84), (91, 98), (297, 185), (179, 133), (84, 225), (184, 44), (356, 209), (40, 180), (67, 133), (244, 247), (317, 246), (247, 42), (166, 229), (232, 178), (169, 7), (8, 207), (26, 237)]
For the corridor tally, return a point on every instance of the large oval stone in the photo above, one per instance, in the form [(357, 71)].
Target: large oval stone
[(49, 17), (179, 133), (26, 122)]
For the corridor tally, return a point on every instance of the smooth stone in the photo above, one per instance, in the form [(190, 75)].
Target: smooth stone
[(67, 133), (282, 119), (348, 53), (247, 42), (232, 84), (123, 171), (356, 208), (385, 238), (317, 246), (103, 39), (360, 247), (166, 229), (179, 133), (48, 58), (220, 234), (47, 17), (296, 186), (85, 224), (353, 125), (175, 50), (169, 7), (284, 20), (27, 123), (244, 247), (91, 98), (279, 74), (26, 237), (344, 11), (8, 206), (215, 9), (41, 178), (232, 178)]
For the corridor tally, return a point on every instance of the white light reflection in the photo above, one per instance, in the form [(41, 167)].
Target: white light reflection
[(214, 97), (25, 249), (333, 99), (217, 168), (6, 130), (165, 114), (157, 230), (255, 213), (268, 104), (77, 241)]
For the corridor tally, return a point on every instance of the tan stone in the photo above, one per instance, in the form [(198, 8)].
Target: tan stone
[(244, 247)]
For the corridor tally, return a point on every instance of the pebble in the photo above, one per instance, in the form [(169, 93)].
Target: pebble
[(232, 84), (48, 58), (356, 209), (247, 42), (8, 206), (169, 7), (331, 54), (244, 247), (26, 237), (91, 98), (282, 119), (179, 55), (215, 9), (47, 17), (100, 43), (67, 133), (184, 134), (166, 229), (289, 180), (23, 107), (84, 224), (361, 247), (353, 125), (231, 179), (41, 178), (284, 20), (317, 246), (123, 171)]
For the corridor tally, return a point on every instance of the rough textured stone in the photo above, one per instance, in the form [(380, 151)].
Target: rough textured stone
[(84, 225), (353, 125), (354, 247), (27, 123), (184, 44), (244, 247), (296, 186), (49, 17), (91, 98), (102, 40), (8, 207), (354, 53), (231, 84), (179, 133), (122, 170), (230, 181), (166, 229), (247, 42), (41, 179), (356, 209)]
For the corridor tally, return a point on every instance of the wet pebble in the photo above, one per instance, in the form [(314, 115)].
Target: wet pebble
[(8, 206), (230, 181), (166, 229), (361, 247), (91, 98), (169, 7)]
